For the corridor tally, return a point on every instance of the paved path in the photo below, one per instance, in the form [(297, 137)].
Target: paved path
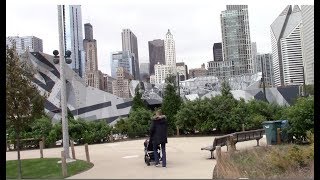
[(125, 160)]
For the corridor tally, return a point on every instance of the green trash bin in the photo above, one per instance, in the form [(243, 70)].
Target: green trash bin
[(270, 128)]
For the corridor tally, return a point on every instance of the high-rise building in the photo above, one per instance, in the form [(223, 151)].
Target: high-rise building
[(182, 69), (254, 57), (156, 53), (170, 51), (161, 72), (307, 29), (236, 42), (130, 44), (88, 31), (265, 61), (286, 47), (221, 69), (120, 86), (107, 83), (30, 43), (122, 59), (74, 38), (198, 72), (93, 76), (217, 52), (144, 71)]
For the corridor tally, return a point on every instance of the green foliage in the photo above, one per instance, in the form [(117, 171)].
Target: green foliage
[(137, 101), (122, 126), (139, 123), (310, 89), (225, 89), (41, 127), (171, 103), (301, 117)]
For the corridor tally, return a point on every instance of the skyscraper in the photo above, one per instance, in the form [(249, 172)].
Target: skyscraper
[(265, 61), (156, 53), (130, 44), (32, 43), (286, 47), (74, 38), (93, 76), (236, 42), (307, 29), (170, 51), (255, 63), (122, 59), (217, 52)]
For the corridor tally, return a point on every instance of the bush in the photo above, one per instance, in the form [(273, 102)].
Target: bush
[(301, 118)]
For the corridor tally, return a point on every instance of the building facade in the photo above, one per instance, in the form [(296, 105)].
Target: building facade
[(254, 57), (198, 72), (107, 83), (144, 71), (236, 42), (161, 73), (94, 79), (120, 86), (182, 69), (130, 44), (22, 44), (122, 59), (265, 61), (307, 32), (170, 51), (217, 52), (221, 69), (286, 47), (73, 38), (156, 53)]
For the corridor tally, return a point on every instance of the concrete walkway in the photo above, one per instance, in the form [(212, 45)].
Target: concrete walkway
[(125, 160)]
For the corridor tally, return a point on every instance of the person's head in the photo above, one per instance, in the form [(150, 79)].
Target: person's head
[(158, 112)]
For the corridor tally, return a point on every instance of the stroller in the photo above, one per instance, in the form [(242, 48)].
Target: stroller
[(148, 152)]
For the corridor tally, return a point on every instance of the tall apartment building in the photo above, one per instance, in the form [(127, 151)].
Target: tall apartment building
[(24, 43), (94, 79), (198, 72), (120, 86), (122, 59), (265, 61), (74, 38), (217, 52), (236, 42), (307, 32), (182, 69), (170, 51), (107, 83), (156, 53), (286, 47), (221, 69), (130, 44)]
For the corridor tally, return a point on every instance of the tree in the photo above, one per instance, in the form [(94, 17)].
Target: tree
[(225, 89), (23, 100), (137, 100), (301, 117), (171, 102)]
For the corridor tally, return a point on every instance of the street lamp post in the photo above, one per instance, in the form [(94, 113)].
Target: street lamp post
[(64, 57)]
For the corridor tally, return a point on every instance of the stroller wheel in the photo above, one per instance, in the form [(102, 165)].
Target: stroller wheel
[(147, 160)]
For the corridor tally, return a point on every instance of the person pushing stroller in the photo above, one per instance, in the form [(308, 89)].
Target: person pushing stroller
[(158, 136)]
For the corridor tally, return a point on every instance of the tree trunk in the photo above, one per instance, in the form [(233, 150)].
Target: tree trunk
[(19, 161)]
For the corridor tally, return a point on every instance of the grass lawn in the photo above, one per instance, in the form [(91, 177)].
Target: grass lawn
[(44, 168)]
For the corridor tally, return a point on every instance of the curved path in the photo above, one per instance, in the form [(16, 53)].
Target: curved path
[(125, 160)]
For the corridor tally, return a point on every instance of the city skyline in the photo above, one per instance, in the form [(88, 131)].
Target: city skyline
[(195, 32)]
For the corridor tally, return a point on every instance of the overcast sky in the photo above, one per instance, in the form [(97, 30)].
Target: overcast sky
[(195, 24)]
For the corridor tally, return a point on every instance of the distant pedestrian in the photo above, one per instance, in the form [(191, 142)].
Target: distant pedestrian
[(158, 136)]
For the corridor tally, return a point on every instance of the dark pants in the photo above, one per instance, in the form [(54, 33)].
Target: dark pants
[(155, 153)]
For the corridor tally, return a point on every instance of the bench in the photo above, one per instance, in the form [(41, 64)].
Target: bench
[(249, 135), (237, 137), (218, 141)]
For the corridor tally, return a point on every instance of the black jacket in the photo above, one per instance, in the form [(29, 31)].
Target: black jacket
[(159, 130)]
